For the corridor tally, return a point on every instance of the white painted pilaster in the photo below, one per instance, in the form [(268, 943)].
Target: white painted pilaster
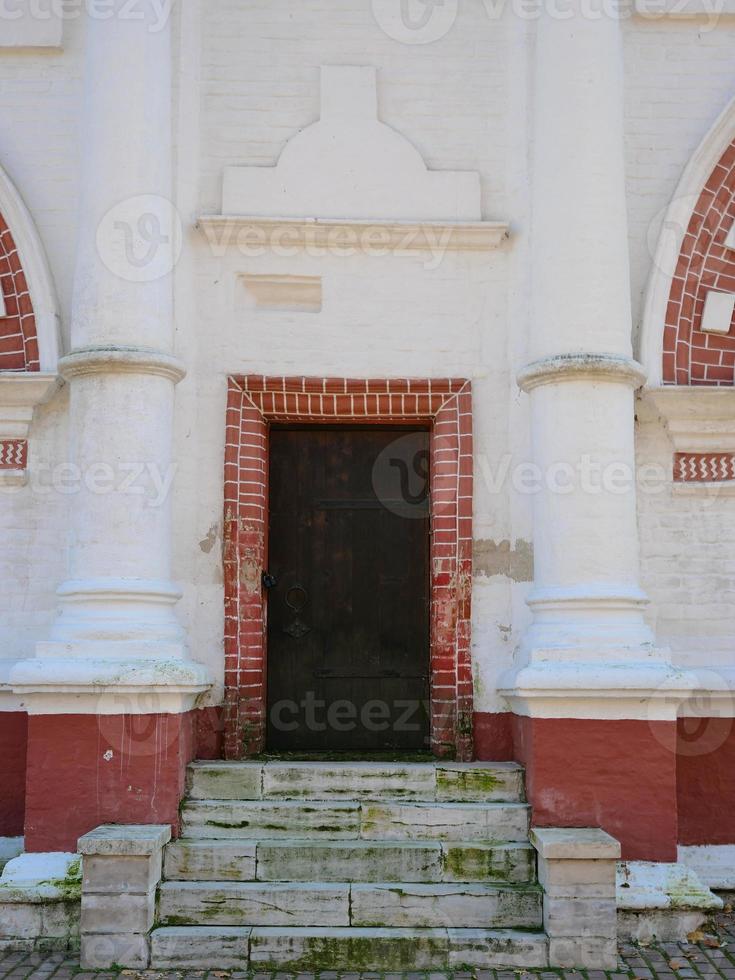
[(580, 377), (117, 628)]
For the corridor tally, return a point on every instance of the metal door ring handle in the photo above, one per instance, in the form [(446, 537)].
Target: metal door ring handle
[(296, 605)]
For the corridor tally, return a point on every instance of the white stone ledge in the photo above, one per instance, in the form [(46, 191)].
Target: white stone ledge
[(121, 360), (609, 368), (350, 236), (714, 864), (656, 10), (20, 393), (709, 490), (57, 685), (697, 419), (132, 840)]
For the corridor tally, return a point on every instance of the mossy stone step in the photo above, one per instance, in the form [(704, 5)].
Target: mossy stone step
[(440, 781), (345, 949), (404, 905), (352, 860), (386, 820)]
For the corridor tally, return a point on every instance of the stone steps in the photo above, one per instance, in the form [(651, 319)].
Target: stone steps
[(363, 905), (311, 866), (353, 820), (345, 949), (351, 861), (500, 782)]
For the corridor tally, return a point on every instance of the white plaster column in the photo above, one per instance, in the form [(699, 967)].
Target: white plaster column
[(580, 376), (118, 602)]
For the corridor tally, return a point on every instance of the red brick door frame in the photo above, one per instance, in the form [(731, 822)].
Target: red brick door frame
[(253, 403)]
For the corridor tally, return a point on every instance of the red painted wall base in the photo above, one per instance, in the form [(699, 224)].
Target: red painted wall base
[(13, 735), (86, 770), (493, 736), (705, 766), (618, 775)]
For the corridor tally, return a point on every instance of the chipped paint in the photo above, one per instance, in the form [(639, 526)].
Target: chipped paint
[(492, 558), (210, 538)]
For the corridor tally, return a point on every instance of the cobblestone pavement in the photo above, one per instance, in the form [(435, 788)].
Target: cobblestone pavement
[(710, 959)]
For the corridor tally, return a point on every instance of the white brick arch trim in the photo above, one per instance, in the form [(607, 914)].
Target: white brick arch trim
[(671, 236), (38, 275)]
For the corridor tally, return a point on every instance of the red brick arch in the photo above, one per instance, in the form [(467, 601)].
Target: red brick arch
[(18, 341), (253, 403), (691, 357)]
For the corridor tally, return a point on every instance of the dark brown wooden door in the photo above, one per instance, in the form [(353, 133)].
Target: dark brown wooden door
[(348, 620)]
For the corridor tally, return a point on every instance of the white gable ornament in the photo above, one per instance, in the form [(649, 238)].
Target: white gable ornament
[(350, 170)]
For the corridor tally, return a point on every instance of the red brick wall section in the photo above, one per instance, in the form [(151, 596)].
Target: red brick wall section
[(18, 342), (13, 735), (86, 770), (254, 402), (691, 357)]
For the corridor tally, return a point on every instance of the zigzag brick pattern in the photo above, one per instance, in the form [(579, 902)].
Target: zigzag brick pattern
[(18, 342), (704, 467), (256, 401), (13, 454)]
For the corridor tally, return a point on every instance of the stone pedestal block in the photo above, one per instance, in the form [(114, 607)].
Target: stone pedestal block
[(122, 869), (576, 867)]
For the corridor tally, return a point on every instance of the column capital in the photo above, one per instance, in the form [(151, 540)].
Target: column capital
[(613, 368), (121, 360)]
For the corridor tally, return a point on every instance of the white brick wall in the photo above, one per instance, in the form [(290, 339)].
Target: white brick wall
[(459, 101), (688, 563)]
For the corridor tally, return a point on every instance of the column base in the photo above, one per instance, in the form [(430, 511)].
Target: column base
[(78, 685)]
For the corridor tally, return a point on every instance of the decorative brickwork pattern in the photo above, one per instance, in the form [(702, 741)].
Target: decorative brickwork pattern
[(13, 454), (256, 401), (691, 357), (704, 467), (18, 343)]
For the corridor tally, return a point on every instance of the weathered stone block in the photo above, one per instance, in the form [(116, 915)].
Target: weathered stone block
[(102, 874), (575, 843), (511, 863), (484, 949), (117, 914), (450, 906), (125, 840), (444, 821), (312, 950), (591, 953), (267, 819), (254, 903), (570, 874), (349, 861), (100, 952), (210, 860), (580, 917), (200, 947), (477, 781), (353, 780), (225, 780), (21, 921)]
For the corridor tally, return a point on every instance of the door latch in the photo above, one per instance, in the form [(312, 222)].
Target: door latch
[(269, 581)]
